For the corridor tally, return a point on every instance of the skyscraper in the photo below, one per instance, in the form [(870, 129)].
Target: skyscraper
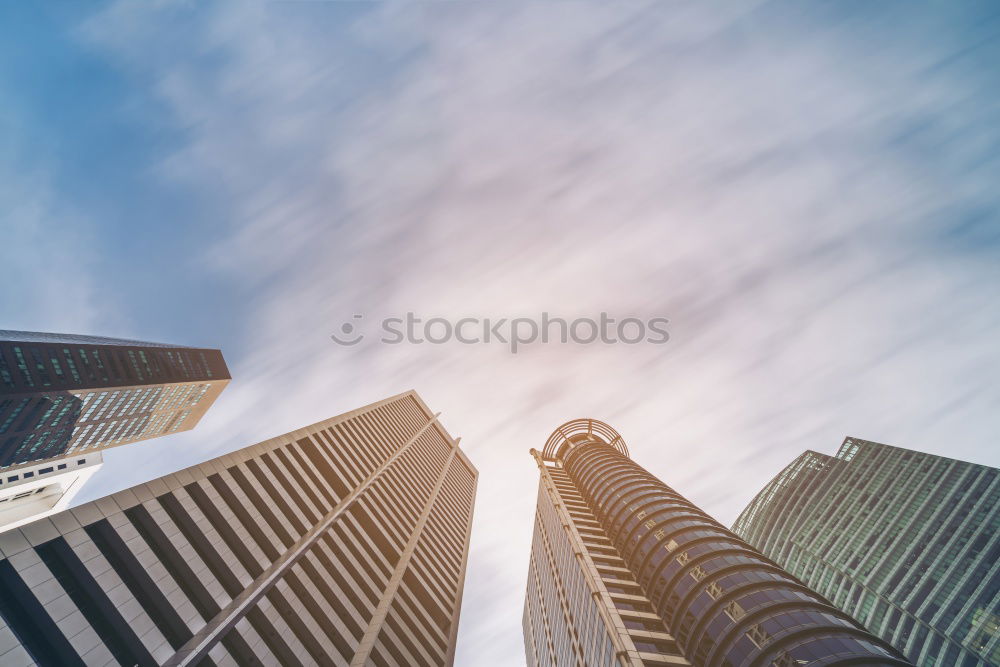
[(625, 571), (908, 543), (34, 490), (63, 394), (342, 543)]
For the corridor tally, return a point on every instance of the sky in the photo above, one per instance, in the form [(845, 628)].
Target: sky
[(807, 191)]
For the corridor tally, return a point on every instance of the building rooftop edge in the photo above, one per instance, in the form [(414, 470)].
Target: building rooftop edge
[(18, 336)]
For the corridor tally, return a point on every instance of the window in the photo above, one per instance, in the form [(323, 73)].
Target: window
[(22, 365), (735, 611), (55, 365), (45, 471), (81, 462), (28, 474), (784, 660), (43, 372), (204, 363), (13, 415), (758, 635), (5, 373), (61, 466), (13, 478)]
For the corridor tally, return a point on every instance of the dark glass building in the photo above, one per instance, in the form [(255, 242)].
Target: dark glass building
[(63, 394), (624, 571), (340, 544), (908, 543)]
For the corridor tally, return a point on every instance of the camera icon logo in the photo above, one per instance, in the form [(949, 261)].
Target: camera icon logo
[(347, 330)]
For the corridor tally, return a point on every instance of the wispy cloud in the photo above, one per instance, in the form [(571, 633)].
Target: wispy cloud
[(804, 193), (47, 258)]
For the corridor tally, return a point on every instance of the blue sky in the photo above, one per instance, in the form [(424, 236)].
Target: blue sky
[(808, 192)]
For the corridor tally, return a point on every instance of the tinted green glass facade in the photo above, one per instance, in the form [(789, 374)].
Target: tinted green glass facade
[(907, 543)]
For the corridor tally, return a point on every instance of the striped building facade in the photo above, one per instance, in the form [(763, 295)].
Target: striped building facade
[(583, 606), (342, 543), (906, 542), (626, 572)]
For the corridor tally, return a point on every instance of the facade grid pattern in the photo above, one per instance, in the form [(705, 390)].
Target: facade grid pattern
[(906, 542), (61, 394), (343, 543)]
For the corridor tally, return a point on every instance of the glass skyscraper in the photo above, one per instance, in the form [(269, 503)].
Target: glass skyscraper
[(62, 394), (626, 572), (908, 543), (341, 543)]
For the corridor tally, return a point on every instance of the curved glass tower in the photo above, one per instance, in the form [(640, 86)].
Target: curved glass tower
[(693, 592), (908, 543)]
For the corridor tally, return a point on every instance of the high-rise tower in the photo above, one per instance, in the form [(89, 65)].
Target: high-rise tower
[(908, 543), (342, 543), (626, 572), (63, 395), (34, 490)]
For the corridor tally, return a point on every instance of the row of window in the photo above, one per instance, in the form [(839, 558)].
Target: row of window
[(52, 366), (650, 521), (900, 525), (231, 526), (41, 471), (566, 625)]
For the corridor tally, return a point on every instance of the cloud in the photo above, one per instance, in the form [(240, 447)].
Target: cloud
[(46, 257), (776, 187)]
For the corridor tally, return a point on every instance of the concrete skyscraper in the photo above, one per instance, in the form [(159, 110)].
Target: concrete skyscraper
[(35, 490), (626, 572), (341, 543), (908, 543), (62, 394)]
